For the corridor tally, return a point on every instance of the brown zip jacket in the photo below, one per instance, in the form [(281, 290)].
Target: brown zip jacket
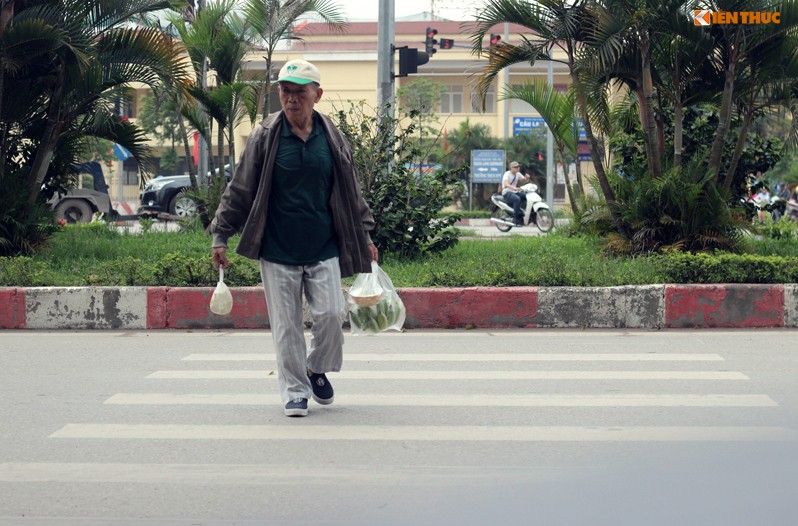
[(245, 202)]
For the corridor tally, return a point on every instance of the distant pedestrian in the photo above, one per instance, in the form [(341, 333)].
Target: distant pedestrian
[(296, 199)]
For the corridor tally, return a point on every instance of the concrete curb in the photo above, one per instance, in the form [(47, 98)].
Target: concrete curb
[(640, 307)]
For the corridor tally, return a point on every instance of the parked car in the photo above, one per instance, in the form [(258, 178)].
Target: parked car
[(168, 194)]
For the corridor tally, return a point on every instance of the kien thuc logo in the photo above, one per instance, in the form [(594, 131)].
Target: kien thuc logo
[(703, 17)]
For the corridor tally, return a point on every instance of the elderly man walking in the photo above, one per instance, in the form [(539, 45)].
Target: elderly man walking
[(296, 199)]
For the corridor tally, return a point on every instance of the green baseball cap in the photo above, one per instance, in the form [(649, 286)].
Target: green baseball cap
[(299, 72)]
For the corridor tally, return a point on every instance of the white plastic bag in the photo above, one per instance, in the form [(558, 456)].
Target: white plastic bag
[(222, 299), (373, 303)]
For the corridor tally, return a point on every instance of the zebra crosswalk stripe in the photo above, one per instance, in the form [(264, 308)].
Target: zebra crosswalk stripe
[(465, 400), (428, 433)]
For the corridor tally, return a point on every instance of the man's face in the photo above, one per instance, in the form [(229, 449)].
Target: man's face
[(298, 99), (515, 169)]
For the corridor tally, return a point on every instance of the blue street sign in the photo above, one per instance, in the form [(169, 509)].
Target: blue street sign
[(122, 153), (487, 166), (582, 135), (527, 124)]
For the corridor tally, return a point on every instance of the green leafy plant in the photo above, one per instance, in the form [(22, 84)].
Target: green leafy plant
[(23, 229), (679, 210), (128, 271), (180, 270), (22, 271), (406, 204)]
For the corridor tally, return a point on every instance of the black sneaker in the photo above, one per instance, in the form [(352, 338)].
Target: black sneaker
[(297, 407), (322, 390)]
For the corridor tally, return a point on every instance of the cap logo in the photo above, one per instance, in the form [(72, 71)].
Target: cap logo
[(291, 68)]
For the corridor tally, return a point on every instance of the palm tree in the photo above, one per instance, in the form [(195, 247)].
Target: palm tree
[(740, 50), (64, 64), (552, 24), (558, 111), (272, 21)]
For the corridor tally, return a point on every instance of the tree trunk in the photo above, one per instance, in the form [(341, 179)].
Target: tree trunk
[(724, 115), (738, 148), (220, 148), (579, 179), (6, 13), (48, 142), (568, 188), (678, 133), (678, 114), (267, 87), (231, 148), (601, 174), (647, 108), (192, 175), (211, 163)]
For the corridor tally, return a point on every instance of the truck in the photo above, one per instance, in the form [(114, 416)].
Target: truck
[(78, 205)]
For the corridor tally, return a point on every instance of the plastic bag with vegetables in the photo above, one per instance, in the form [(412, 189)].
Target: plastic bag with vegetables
[(373, 303)]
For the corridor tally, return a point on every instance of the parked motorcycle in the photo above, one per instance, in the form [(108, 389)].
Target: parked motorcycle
[(535, 210), (791, 210)]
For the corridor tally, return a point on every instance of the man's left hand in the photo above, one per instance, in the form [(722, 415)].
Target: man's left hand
[(375, 254)]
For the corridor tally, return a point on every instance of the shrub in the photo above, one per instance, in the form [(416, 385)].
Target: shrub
[(128, 271), (781, 229), (726, 268), (681, 210), (406, 205), (180, 270), (24, 229), (22, 271)]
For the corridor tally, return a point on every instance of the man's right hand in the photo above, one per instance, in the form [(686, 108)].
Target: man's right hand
[(220, 257)]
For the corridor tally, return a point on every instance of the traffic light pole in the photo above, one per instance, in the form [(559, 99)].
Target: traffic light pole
[(385, 36)]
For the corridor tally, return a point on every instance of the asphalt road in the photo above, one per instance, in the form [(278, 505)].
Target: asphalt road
[(498, 427)]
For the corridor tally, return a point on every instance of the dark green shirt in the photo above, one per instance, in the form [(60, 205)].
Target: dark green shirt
[(299, 229)]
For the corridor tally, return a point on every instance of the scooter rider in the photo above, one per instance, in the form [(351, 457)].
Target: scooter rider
[(511, 191)]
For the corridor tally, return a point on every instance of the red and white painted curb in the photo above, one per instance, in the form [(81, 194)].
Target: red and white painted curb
[(644, 307)]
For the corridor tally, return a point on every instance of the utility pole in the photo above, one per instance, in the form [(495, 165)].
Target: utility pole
[(508, 132), (550, 148), (202, 146)]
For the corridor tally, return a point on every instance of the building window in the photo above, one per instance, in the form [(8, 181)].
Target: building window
[(129, 106), (490, 100), (452, 99)]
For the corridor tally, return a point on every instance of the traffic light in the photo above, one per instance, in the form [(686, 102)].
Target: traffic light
[(538, 156), (494, 39), (447, 43), (410, 59), (430, 41)]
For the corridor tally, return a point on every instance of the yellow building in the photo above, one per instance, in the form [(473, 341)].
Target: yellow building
[(349, 70)]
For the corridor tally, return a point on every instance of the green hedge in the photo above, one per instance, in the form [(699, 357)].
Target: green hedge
[(726, 268), (97, 255)]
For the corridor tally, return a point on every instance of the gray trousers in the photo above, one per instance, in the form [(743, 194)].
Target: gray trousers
[(284, 286)]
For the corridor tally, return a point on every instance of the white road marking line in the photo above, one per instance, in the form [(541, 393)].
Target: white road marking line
[(480, 357), (467, 375), (256, 474), (531, 400), (428, 433)]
